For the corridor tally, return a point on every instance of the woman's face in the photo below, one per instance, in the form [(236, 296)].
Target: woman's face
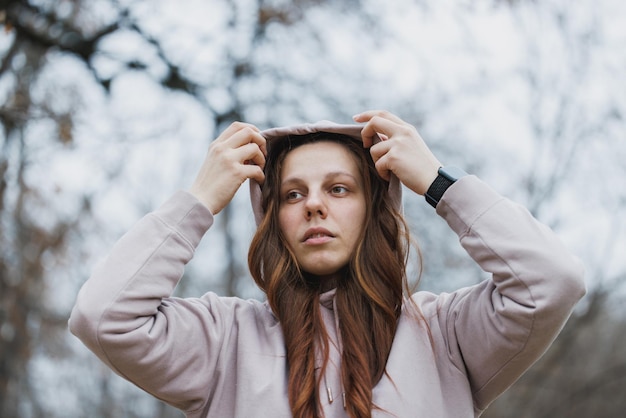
[(322, 208)]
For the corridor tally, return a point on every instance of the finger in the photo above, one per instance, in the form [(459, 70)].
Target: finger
[(380, 156), (234, 128), (364, 117), (247, 136), (377, 151), (254, 172), (382, 167), (385, 114), (250, 153), (378, 125)]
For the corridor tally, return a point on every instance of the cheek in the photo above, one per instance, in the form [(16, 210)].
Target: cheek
[(358, 212), (354, 219), (359, 223), (362, 217)]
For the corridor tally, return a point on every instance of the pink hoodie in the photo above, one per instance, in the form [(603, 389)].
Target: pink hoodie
[(225, 357)]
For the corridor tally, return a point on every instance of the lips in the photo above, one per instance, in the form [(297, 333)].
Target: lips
[(317, 236)]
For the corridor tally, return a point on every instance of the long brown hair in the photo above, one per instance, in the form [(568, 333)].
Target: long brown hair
[(368, 299)]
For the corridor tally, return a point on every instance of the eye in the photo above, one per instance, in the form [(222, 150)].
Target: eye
[(293, 195), (339, 190)]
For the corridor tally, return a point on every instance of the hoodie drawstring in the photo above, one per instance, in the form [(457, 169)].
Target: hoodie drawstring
[(339, 346)]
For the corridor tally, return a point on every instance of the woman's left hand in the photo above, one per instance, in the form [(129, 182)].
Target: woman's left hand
[(402, 150)]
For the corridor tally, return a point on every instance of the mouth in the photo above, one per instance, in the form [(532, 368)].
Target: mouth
[(317, 236)]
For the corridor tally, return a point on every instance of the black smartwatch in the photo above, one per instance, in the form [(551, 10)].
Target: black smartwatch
[(445, 178)]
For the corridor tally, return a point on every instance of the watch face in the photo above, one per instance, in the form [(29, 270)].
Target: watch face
[(452, 173)]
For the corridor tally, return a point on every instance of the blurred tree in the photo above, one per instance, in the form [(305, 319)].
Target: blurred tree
[(582, 372), (26, 240)]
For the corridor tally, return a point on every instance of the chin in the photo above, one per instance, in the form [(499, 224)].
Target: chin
[(323, 263), (314, 270)]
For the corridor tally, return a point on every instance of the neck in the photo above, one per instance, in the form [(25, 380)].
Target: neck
[(326, 282)]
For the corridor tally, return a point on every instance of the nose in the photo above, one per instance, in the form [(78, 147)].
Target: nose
[(315, 205)]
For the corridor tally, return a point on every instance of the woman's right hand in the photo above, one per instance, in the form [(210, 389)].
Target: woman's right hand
[(236, 155)]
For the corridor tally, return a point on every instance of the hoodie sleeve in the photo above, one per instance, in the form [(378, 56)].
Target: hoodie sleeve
[(125, 315), (496, 330)]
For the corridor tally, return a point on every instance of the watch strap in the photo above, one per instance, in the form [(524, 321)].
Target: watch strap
[(446, 177), (437, 189)]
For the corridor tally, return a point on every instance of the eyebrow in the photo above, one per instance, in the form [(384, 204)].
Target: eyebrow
[(332, 174)]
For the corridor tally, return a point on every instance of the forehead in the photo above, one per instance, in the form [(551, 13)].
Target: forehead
[(319, 157)]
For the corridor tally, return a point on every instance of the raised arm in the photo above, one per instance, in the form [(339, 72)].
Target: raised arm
[(124, 312), (496, 330)]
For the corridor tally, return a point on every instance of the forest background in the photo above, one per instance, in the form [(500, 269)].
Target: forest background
[(108, 107)]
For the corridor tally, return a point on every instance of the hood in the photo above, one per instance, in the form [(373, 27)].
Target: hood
[(353, 131)]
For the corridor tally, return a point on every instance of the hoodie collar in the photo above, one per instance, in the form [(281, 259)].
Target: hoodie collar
[(327, 299)]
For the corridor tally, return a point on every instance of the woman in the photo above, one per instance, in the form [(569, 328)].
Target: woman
[(339, 336)]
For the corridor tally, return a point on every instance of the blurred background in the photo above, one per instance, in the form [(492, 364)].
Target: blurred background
[(108, 106)]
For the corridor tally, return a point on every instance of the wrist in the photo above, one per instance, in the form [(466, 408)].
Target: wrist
[(446, 177), (204, 199)]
